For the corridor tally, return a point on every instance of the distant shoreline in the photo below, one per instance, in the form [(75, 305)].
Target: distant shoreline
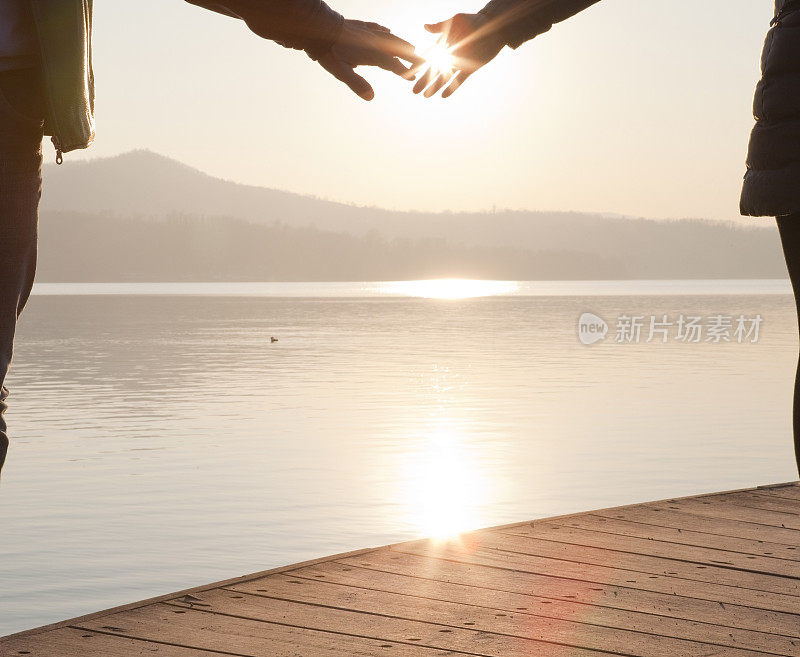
[(434, 288)]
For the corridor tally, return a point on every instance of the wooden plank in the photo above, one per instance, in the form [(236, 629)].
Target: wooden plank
[(589, 536), (784, 492), (552, 586), (633, 562), (166, 623), (682, 519), (777, 497), (721, 509), (668, 581), (382, 628), (614, 526), (73, 642), (441, 624), (753, 500), (494, 611)]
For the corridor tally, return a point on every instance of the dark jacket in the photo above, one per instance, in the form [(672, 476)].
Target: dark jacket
[(64, 28), (772, 181), (521, 20)]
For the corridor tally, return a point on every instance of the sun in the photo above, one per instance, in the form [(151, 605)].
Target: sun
[(439, 57)]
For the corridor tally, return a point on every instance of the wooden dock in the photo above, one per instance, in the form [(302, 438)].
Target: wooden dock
[(708, 575)]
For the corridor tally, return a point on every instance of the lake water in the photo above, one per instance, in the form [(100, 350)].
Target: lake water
[(161, 441)]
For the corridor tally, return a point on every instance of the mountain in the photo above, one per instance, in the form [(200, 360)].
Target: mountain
[(142, 216), (143, 183)]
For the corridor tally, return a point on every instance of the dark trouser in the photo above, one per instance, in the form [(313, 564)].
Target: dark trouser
[(789, 228), (21, 118)]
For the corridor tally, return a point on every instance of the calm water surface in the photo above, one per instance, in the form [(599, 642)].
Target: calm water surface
[(160, 441)]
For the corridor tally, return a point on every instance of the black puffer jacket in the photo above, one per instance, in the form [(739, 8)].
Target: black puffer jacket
[(772, 182)]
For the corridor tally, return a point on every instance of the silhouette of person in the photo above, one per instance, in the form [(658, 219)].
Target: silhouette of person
[(47, 87), (772, 179)]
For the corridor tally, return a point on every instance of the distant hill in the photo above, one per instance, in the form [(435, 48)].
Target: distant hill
[(142, 216), (82, 247)]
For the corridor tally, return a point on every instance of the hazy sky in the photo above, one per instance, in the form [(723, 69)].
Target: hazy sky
[(634, 107)]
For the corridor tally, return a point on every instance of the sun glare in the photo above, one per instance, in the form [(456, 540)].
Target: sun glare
[(445, 486), (450, 288), (439, 57)]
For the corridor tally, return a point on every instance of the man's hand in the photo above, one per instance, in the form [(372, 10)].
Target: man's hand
[(473, 41), (368, 44)]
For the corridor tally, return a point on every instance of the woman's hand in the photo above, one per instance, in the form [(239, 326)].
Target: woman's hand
[(473, 41)]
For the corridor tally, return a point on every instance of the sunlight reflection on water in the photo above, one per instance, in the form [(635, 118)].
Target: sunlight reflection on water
[(445, 488), (450, 288)]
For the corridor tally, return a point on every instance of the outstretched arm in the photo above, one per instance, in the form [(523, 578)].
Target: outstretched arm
[(476, 39), (339, 45), (518, 21), (308, 25)]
